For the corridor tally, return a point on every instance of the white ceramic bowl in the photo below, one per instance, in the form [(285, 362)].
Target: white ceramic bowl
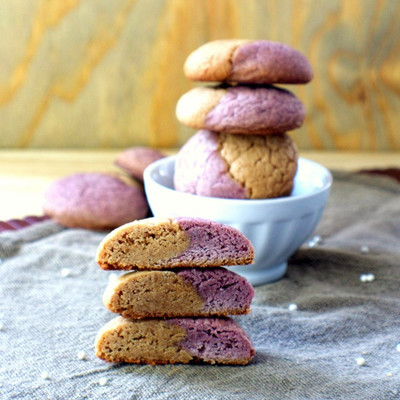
[(276, 227)]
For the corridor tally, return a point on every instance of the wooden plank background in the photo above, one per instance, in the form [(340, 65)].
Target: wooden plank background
[(107, 74)]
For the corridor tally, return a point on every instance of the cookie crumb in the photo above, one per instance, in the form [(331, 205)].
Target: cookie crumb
[(314, 241), (360, 361), (103, 381), (367, 277), (81, 355), (44, 375), (65, 272)]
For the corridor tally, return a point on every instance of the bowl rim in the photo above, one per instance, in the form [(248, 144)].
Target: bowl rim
[(147, 177)]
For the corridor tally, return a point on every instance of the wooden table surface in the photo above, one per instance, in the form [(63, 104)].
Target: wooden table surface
[(24, 174), (115, 82)]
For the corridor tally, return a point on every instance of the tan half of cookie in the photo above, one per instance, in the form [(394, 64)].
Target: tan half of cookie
[(185, 292), (212, 61), (264, 165), (174, 340), (141, 341), (163, 243), (144, 294), (193, 106)]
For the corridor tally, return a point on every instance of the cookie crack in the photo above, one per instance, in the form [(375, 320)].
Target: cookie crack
[(221, 142), (230, 59), (242, 182)]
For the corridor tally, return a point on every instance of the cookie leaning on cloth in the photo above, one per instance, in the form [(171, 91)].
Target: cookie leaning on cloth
[(102, 200), (95, 200), (178, 315)]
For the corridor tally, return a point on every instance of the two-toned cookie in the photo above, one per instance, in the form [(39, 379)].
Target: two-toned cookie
[(241, 109), (174, 340), (248, 61), (165, 243), (178, 286), (236, 166), (182, 292)]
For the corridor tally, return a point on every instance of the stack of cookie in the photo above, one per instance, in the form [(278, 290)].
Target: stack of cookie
[(175, 306), (242, 149)]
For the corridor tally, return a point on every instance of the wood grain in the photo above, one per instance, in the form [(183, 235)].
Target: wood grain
[(107, 74)]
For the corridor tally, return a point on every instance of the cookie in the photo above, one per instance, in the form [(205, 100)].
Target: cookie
[(241, 109), (163, 243), (95, 200), (135, 160), (236, 166), (179, 293), (174, 340), (248, 61)]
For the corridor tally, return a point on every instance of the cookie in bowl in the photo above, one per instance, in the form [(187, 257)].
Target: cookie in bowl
[(236, 166)]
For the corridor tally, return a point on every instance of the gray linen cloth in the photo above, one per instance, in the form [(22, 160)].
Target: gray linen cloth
[(51, 309)]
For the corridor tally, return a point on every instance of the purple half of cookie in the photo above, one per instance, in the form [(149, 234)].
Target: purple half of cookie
[(220, 288), (200, 169), (210, 240), (95, 200), (215, 339), (255, 110), (263, 61)]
